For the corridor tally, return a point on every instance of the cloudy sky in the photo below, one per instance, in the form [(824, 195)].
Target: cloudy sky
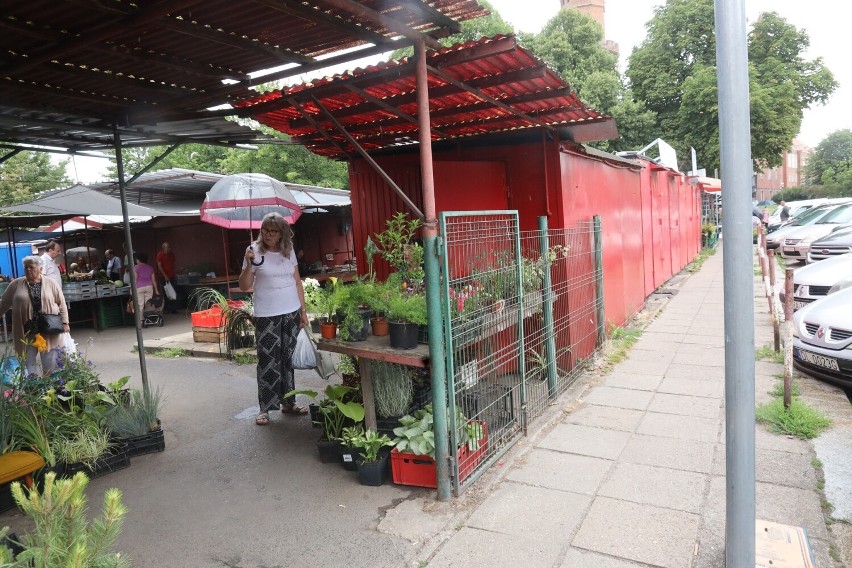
[(825, 21)]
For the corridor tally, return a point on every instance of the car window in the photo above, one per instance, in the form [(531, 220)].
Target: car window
[(812, 216), (842, 214)]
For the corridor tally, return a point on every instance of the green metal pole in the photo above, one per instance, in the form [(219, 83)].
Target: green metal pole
[(599, 289), (547, 305), (439, 371)]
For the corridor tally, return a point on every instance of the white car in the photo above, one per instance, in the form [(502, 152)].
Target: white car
[(796, 208), (815, 281), (822, 339), (809, 217), (797, 243)]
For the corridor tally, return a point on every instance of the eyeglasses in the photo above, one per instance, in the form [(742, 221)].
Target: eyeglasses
[(270, 231)]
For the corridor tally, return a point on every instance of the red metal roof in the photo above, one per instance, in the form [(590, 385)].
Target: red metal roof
[(378, 105), (72, 70)]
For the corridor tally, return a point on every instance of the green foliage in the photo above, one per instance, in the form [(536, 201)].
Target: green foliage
[(244, 358), (405, 306), (85, 445), (799, 420), (673, 71), (24, 175), (339, 404), (778, 390), (622, 340), (347, 365), (63, 536), (415, 434), (170, 353), (830, 164), (767, 352), (395, 246), (369, 443), (699, 260)]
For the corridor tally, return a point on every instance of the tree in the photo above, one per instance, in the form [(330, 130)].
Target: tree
[(24, 175), (674, 72), (830, 165), (571, 43)]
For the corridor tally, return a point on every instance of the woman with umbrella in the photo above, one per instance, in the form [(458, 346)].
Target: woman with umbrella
[(271, 269)]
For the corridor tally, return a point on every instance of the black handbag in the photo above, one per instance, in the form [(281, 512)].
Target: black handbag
[(50, 324)]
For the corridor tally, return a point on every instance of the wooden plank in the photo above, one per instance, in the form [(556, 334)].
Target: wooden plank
[(378, 349)]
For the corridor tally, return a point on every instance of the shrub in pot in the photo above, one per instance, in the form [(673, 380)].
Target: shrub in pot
[(373, 463), (340, 405)]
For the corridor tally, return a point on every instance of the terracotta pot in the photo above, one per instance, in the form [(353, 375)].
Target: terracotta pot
[(328, 330), (380, 326)]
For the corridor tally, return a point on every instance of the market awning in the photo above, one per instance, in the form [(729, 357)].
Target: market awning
[(80, 200), (479, 87)]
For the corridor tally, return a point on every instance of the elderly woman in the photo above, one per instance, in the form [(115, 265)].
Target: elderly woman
[(27, 297)]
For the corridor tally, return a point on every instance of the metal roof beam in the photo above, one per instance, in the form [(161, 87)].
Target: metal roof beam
[(323, 132), (363, 12), (388, 108)]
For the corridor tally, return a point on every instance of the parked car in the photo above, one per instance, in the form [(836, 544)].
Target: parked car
[(835, 244), (796, 208), (797, 243), (809, 217), (815, 281), (822, 339)]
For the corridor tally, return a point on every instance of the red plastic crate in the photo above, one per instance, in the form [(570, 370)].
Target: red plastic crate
[(411, 469), (468, 460), (207, 318)]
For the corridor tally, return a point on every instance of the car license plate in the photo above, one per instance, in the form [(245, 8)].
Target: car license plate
[(789, 249), (798, 305), (819, 360)]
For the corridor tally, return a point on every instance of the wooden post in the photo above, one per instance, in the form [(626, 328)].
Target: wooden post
[(788, 336), (773, 312)]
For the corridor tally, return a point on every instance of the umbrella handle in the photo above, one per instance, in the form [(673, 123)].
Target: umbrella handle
[(258, 263)]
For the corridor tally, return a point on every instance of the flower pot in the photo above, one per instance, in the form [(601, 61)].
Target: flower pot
[(348, 457), (329, 450), (113, 459), (423, 334), (361, 330), (316, 417), (403, 335), (374, 473), (315, 326), (379, 326), (153, 441), (328, 330)]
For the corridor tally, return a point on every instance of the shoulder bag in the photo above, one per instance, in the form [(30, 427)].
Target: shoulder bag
[(47, 324)]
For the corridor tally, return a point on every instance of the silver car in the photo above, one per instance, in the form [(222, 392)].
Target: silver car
[(822, 339), (837, 243), (815, 281), (797, 243), (809, 217)]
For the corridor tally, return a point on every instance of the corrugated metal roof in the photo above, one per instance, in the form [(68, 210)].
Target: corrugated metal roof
[(377, 105), (71, 71)]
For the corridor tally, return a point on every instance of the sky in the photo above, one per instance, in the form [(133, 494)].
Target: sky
[(824, 20)]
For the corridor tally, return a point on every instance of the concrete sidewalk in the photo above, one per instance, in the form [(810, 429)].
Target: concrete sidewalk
[(632, 473)]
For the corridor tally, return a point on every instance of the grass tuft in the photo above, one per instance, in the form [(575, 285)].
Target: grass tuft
[(778, 390), (799, 420), (244, 358), (767, 352), (622, 340), (702, 257), (171, 353)]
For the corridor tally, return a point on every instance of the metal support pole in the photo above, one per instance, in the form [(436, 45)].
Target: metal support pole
[(735, 146), (134, 293), (599, 289), (547, 304), (433, 286)]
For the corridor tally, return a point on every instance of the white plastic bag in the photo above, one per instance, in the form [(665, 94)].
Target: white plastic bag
[(305, 353), (169, 291), (69, 345)]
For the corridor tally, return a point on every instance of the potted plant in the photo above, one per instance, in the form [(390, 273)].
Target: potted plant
[(348, 449), (135, 422), (347, 368), (373, 463), (330, 300), (406, 311), (339, 406), (393, 391), (313, 289), (396, 247), (355, 313)]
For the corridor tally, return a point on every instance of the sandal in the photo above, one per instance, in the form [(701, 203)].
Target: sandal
[(293, 409), (262, 419)]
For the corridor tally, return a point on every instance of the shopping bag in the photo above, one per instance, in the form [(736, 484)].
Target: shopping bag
[(69, 345), (170, 291), (305, 353)]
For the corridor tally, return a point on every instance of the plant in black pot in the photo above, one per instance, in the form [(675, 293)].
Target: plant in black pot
[(393, 391), (136, 422), (355, 312), (340, 408), (373, 462), (406, 311)]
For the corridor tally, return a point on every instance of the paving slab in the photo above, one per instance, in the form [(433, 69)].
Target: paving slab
[(476, 547), (663, 487), (687, 455), (685, 405), (594, 442), (791, 506), (634, 381), (707, 358), (662, 354), (583, 559), (506, 510), (619, 397), (681, 385), (561, 471), (775, 466), (611, 418), (696, 372), (633, 531), (674, 426), (642, 367), (656, 342)]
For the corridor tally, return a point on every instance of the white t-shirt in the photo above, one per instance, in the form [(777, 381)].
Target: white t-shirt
[(274, 284), (49, 269)]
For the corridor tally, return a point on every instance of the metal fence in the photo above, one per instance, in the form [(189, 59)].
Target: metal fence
[(522, 312)]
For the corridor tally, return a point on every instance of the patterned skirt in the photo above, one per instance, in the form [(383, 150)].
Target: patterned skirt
[(276, 341)]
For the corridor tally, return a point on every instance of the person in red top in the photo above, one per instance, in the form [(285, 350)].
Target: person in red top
[(166, 272)]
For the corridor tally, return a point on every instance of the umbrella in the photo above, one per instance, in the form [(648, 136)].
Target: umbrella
[(240, 201), (766, 203), (85, 251)]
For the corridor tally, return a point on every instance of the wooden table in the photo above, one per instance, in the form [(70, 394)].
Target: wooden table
[(375, 349)]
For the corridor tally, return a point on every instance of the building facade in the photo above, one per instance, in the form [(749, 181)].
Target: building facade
[(596, 9), (789, 174)]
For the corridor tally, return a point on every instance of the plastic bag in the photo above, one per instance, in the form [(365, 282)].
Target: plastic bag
[(169, 290), (69, 345), (305, 353)]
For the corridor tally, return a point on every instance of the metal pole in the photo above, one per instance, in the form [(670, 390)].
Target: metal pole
[(433, 283), (134, 294), (599, 289), (788, 337), (735, 145), (547, 305)]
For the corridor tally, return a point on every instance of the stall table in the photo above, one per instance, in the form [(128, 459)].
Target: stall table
[(375, 349)]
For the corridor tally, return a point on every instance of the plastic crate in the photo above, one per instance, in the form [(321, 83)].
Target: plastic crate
[(207, 318), (114, 459), (411, 469), (146, 443)]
